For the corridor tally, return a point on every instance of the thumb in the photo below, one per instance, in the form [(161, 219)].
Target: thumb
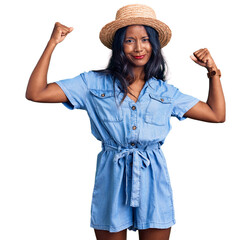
[(197, 61), (194, 58)]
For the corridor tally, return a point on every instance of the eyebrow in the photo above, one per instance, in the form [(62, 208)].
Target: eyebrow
[(133, 37)]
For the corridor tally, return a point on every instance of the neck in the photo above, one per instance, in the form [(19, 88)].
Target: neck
[(139, 73)]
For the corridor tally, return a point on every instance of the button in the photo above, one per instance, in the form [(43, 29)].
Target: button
[(133, 107), (134, 127), (102, 95), (162, 100), (132, 144)]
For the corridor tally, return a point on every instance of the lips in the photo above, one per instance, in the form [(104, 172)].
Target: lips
[(139, 57)]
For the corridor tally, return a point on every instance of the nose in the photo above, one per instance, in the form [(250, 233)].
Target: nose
[(138, 46)]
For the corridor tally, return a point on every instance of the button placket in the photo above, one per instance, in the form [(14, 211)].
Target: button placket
[(133, 120)]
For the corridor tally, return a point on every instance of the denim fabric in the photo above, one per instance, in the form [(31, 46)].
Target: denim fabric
[(132, 187)]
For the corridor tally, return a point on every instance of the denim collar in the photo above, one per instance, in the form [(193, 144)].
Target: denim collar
[(150, 84)]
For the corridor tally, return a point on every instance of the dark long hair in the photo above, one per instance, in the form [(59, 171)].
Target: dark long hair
[(119, 66)]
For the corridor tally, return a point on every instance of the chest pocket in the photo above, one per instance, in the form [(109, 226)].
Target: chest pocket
[(107, 109), (158, 109)]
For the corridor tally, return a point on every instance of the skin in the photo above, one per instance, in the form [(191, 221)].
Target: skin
[(214, 110), (136, 43)]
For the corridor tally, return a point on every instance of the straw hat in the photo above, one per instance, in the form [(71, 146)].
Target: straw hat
[(135, 14)]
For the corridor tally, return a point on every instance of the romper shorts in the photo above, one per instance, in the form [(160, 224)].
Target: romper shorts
[(132, 189)]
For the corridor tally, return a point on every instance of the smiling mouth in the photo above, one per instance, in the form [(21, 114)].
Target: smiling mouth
[(139, 57)]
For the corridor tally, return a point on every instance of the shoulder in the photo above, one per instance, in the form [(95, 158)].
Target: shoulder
[(96, 80), (162, 87)]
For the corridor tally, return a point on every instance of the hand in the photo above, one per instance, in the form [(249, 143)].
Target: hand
[(203, 58), (59, 33)]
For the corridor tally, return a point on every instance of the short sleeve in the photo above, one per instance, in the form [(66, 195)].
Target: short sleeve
[(182, 103), (75, 90)]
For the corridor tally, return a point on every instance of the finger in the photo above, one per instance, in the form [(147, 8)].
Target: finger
[(204, 60), (203, 57), (198, 51), (67, 30), (64, 28), (70, 29), (197, 61), (197, 56), (201, 54), (194, 59), (207, 54)]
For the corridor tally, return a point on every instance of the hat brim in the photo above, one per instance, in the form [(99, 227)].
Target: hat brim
[(107, 33)]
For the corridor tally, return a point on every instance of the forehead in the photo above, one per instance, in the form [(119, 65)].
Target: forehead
[(136, 30)]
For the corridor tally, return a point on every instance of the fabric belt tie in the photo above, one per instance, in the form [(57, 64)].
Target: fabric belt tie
[(137, 158)]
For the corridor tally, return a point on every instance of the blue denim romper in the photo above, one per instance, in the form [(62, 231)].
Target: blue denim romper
[(132, 186)]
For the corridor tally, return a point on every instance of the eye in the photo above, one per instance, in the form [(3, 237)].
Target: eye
[(145, 39), (129, 40)]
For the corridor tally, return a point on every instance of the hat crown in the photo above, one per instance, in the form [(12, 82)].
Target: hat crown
[(135, 14), (135, 10)]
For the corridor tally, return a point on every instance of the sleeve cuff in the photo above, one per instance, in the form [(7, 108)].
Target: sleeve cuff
[(181, 113), (71, 104)]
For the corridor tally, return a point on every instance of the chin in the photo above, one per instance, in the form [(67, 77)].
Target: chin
[(137, 64)]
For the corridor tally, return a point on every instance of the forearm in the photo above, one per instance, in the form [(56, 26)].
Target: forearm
[(38, 78), (216, 100)]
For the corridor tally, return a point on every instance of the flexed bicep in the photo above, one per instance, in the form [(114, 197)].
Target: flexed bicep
[(51, 94), (202, 111)]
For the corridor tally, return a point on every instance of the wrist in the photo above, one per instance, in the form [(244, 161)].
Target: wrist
[(213, 71), (212, 68), (52, 43)]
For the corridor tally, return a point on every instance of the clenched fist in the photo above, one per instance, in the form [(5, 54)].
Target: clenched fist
[(203, 58), (59, 33)]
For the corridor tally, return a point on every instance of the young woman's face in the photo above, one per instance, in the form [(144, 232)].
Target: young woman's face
[(137, 47)]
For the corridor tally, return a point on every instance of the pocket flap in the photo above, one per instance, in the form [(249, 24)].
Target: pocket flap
[(162, 99), (101, 93)]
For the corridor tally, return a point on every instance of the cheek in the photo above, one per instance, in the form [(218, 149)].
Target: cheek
[(149, 49), (149, 52), (127, 49)]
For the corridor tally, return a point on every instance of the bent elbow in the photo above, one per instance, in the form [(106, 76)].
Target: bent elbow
[(221, 120), (33, 96), (29, 97)]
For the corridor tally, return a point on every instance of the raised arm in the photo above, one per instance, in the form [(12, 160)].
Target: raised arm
[(214, 109), (37, 89)]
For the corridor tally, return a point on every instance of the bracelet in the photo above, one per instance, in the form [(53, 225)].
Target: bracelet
[(214, 73)]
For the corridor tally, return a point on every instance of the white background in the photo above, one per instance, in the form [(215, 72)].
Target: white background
[(48, 154)]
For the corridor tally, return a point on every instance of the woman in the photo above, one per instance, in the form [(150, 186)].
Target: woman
[(132, 187)]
